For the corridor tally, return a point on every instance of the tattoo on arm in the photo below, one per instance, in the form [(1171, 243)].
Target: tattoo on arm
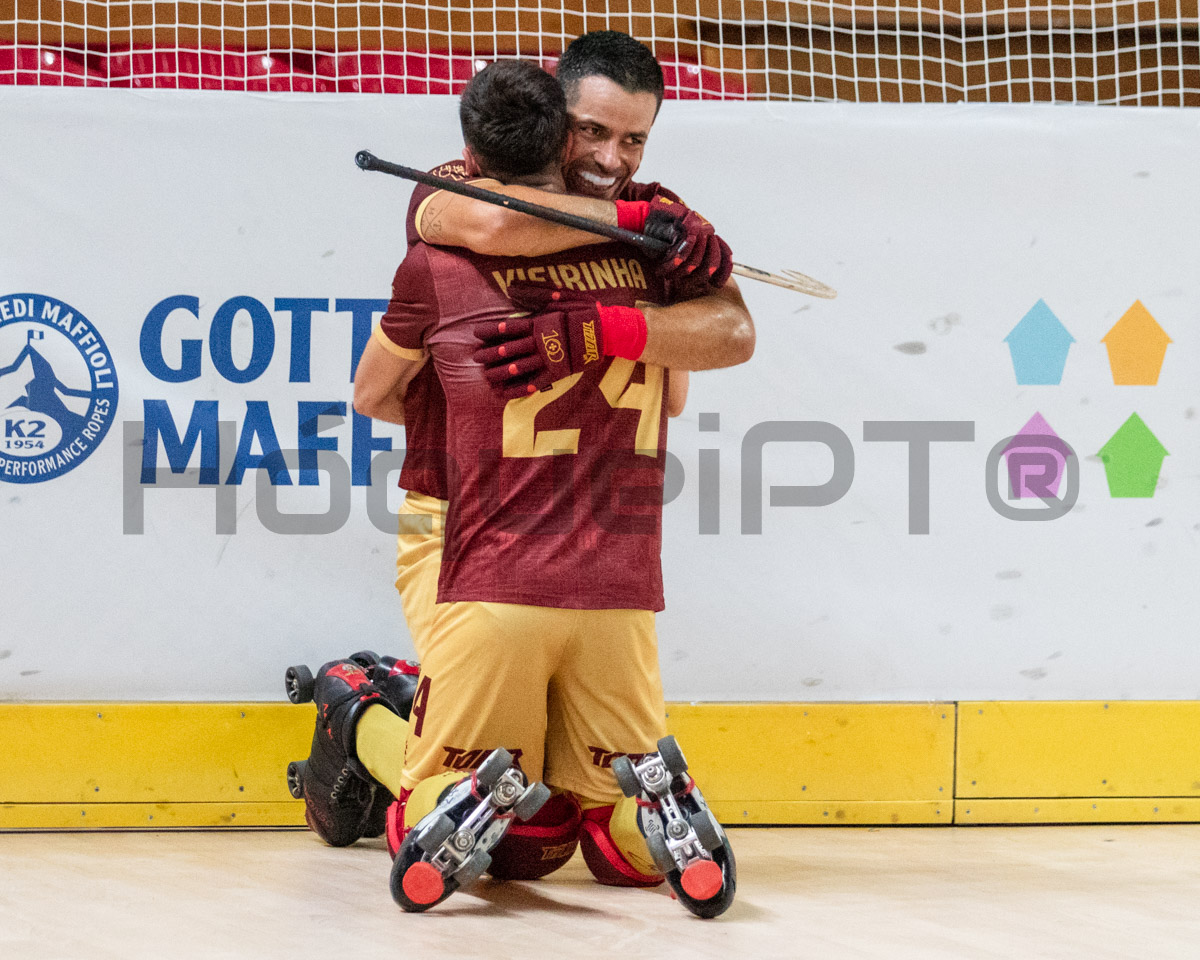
[(433, 230)]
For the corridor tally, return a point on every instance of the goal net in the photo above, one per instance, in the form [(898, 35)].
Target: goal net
[(1126, 52)]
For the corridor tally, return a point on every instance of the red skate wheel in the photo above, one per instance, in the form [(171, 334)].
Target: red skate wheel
[(422, 883), (701, 881)]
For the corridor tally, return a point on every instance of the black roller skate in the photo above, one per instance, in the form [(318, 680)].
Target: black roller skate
[(397, 681), (450, 846), (336, 788), (685, 840)]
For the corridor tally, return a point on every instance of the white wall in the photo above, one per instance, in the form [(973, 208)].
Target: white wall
[(940, 226)]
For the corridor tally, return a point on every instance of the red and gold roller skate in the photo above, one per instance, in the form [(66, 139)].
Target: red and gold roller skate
[(451, 846), (685, 840)]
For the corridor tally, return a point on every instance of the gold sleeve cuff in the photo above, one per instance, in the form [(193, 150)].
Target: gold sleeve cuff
[(486, 183), (404, 353)]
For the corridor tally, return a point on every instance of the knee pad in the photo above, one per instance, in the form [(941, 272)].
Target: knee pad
[(614, 848), (412, 805), (540, 845)]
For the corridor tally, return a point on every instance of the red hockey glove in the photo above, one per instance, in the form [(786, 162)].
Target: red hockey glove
[(695, 251), (561, 336)]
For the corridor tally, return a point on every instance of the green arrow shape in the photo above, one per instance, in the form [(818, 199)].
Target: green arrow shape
[(1132, 460)]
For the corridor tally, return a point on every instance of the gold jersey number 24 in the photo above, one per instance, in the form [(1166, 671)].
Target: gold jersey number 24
[(523, 439)]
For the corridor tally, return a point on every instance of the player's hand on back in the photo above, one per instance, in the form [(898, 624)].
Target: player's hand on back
[(561, 335), (696, 254), (524, 354)]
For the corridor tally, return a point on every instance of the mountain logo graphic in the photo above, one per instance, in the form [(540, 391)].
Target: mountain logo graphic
[(58, 388)]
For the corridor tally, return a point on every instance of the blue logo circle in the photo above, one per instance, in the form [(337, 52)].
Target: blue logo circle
[(58, 388)]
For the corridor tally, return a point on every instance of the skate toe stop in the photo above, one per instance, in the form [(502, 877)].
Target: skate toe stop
[(701, 881), (422, 883)]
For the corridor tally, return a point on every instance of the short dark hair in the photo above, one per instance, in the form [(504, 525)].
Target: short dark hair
[(514, 118), (608, 53)]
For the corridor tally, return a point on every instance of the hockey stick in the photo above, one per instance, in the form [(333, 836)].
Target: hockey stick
[(789, 279)]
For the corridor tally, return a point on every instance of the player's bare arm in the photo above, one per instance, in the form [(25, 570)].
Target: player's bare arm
[(382, 376), (560, 335), (677, 393), (455, 221), (707, 333)]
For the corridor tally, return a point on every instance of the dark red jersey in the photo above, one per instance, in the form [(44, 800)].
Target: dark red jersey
[(556, 498), (424, 468), (450, 170), (646, 191)]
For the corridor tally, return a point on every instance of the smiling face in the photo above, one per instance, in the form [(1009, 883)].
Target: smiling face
[(609, 127)]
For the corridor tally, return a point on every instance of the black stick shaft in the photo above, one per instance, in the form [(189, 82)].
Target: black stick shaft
[(368, 161)]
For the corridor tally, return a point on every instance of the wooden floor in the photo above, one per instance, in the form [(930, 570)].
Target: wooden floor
[(1031, 892)]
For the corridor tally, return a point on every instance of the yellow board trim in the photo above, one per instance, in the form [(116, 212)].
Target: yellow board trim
[(149, 816), (839, 813), (89, 765), (1080, 810)]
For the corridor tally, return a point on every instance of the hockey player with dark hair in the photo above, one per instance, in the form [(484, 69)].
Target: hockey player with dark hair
[(669, 804)]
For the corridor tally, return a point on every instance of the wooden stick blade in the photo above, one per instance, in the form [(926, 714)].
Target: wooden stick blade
[(788, 279)]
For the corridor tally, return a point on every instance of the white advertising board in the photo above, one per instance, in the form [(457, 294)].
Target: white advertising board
[(216, 258)]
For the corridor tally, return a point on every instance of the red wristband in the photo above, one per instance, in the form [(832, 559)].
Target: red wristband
[(624, 331), (631, 214)]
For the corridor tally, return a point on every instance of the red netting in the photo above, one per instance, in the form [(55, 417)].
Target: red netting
[(417, 73)]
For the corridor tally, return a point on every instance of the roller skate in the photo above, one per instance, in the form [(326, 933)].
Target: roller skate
[(685, 840), (451, 846), (397, 681), (336, 788)]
